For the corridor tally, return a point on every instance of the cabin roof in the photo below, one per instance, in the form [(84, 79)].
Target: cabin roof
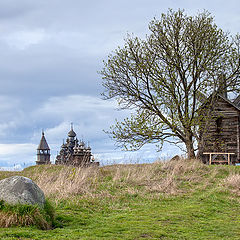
[(234, 103), (237, 101), (231, 103)]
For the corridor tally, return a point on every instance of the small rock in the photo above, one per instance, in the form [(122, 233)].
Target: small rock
[(18, 189), (175, 158)]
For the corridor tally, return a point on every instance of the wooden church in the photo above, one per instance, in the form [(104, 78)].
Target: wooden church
[(220, 131), (72, 153), (75, 153)]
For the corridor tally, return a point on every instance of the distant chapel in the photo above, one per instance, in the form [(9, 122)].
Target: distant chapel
[(43, 152)]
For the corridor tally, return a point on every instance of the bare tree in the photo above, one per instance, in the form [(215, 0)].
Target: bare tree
[(167, 76)]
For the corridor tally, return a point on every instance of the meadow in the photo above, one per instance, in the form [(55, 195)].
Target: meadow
[(182, 199)]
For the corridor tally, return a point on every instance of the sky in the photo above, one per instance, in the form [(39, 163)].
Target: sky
[(51, 52)]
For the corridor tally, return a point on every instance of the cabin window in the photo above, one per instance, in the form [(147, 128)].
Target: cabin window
[(219, 124)]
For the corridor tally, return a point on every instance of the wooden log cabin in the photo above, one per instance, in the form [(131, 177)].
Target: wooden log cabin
[(220, 140)]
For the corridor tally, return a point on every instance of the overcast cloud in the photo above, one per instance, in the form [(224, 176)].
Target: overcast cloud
[(51, 51)]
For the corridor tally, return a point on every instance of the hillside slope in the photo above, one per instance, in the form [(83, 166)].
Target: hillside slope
[(173, 200)]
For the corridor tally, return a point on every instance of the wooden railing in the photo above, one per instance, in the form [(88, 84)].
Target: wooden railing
[(228, 161)]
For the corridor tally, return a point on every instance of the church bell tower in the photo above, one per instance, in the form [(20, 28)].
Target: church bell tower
[(43, 152)]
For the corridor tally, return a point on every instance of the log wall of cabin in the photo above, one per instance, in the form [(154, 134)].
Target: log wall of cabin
[(225, 139)]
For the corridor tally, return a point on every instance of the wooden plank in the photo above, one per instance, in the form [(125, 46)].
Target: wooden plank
[(219, 161), (217, 153)]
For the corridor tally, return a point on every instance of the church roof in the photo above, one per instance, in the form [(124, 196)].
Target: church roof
[(71, 133), (43, 144)]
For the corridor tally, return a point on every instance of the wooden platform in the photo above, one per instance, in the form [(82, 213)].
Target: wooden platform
[(211, 157)]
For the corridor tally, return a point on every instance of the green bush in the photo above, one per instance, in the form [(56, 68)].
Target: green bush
[(27, 215)]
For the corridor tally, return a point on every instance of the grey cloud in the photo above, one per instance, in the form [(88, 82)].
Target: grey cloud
[(50, 54), (11, 9)]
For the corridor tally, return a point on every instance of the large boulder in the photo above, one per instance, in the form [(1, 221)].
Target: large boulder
[(18, 189)]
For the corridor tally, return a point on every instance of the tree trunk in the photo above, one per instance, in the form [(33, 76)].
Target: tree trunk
[(189, 146), (190, 150)]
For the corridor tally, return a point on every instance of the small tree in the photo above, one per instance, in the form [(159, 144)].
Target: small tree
[(167, 76)]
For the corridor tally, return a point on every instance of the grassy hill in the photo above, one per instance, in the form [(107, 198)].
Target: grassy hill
[(172, 200)]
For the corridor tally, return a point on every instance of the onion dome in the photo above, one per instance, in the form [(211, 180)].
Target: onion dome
[(81, 144), (63, 145), (71, 133)]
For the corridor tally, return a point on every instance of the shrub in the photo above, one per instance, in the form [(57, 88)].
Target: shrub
[(26, 215)]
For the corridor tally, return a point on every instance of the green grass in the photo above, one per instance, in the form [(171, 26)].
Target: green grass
[(120, 203), (27, 215)]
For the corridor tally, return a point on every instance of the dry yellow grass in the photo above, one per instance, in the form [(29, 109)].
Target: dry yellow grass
[(233, 183), (158, 177), (69, 180), (10, 219), (170, 177)]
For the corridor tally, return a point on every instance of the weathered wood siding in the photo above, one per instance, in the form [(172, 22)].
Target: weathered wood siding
[(222, 134)]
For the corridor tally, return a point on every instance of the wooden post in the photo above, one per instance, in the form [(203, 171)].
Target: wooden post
[(210, 159), (228, 159)]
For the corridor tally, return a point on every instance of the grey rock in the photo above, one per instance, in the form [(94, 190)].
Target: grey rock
[(18, 189)]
